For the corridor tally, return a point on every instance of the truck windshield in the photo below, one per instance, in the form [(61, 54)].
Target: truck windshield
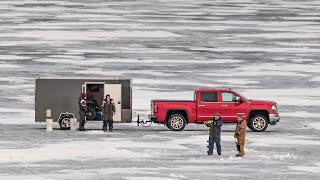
[(243, 96)]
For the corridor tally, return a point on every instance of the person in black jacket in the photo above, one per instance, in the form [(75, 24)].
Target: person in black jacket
[(215, 134), (82, 111)]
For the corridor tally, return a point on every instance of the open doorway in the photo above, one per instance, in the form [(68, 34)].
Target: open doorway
[(95, 96)]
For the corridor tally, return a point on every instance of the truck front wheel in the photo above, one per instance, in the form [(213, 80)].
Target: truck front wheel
[(258, 123), (176, 122)]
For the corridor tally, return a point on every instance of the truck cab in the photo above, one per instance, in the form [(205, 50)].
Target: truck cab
[(228, 103)]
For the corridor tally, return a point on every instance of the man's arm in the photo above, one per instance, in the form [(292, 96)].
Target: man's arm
[(113, 107), (102, 106)]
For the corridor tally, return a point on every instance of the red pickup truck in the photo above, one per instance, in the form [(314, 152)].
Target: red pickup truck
[(176, 114)]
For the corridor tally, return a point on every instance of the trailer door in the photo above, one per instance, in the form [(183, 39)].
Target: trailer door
[(115, 93)]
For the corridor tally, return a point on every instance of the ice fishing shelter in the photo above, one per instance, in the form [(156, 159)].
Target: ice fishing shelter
[(61, 95)]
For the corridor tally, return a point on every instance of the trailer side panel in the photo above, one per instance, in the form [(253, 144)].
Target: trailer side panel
[(61, 95)]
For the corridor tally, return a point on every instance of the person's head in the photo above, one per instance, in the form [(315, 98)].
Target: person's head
[(240, 118), (217, 115), (108, 97)]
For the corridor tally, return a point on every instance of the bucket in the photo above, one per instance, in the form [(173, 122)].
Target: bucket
[(48, 113), (49, 124), (73, 124)]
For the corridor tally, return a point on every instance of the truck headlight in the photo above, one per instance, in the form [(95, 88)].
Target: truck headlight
[(274, 107)]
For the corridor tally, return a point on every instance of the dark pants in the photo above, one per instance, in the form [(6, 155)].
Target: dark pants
[(82, 120), (108, 122), (215, 140)]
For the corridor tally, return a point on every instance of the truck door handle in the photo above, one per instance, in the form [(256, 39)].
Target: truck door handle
[(224, 105), (201, 105)]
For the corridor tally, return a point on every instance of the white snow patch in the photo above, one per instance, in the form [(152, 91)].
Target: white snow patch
[(149, 177), (66, 35), (315, 78), (12, 57), (53, 152), (30, 177), (314, 125), (16, 116), (294, 96), (178, 176), (301, 114), (96, 132), (237, 81), (24, 98), (278, 157), (278, 141), (102, 72), (107, 148), (311, 169), (9, 66), (270, 69)]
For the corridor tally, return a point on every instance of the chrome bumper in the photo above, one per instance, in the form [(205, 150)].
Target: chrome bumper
[(274, 118)]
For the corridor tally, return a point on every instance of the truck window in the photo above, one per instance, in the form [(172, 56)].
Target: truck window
[(227, 97), (209, 97)]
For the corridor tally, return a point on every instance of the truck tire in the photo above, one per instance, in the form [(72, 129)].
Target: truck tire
[(176, 122), (91, 114), (258, 123), (65, 123)]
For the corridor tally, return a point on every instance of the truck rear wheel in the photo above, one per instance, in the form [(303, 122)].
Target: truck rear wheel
[(258, 123), (176, 122)]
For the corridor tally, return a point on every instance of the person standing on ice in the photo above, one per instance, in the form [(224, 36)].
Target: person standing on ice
[(215, 134), (109, 109), (82, 111), (240, 135)]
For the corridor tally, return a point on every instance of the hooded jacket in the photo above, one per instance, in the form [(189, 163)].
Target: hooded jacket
[(108, 109), (240, 131)]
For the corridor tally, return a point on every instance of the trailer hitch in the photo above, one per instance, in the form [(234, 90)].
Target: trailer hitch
[(145, 122)]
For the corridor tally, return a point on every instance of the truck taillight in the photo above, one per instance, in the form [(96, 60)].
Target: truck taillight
[(155, 108)]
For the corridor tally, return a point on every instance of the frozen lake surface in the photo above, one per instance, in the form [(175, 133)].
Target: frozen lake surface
[(131, 152), (263, 49)]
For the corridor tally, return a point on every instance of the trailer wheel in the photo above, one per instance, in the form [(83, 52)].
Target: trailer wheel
[(176, 122), (91, 113), (258, 123), (65, 123)]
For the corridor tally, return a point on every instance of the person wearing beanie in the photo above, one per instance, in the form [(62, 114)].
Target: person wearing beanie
[(109, 109), (240, 135), (215, 134)]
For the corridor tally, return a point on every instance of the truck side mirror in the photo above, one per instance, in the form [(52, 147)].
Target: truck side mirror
[(238, 99)]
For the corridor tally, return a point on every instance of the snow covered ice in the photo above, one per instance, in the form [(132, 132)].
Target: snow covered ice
[(263, 49)]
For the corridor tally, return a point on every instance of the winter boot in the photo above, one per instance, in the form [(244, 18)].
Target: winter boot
[(238, 147), (209, 153), (105, 128), (111, 128), (81, 128)]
